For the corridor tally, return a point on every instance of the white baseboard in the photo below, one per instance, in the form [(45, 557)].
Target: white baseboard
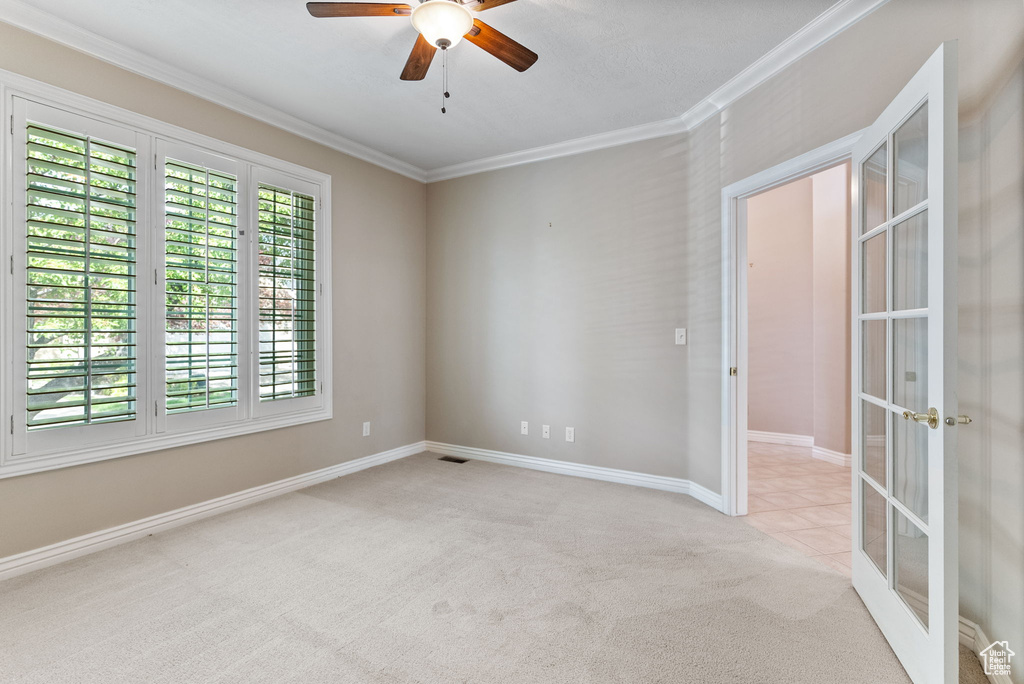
[(668, 484), (823, 454), (972, 636), (46, 556), (780, 438), (800, 441)]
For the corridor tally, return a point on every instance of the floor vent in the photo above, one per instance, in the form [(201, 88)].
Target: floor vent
[(452, 459)]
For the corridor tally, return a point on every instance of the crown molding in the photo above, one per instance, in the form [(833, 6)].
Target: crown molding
[(601, 141), (33, 20), (822, 29), (831, 23)]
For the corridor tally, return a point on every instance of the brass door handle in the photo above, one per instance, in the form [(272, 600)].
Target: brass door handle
[(962, 420), (931, 419)]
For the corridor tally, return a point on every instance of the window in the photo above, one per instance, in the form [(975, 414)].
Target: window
[(287, 297), (201, 287), (166, 289), (80, 352)]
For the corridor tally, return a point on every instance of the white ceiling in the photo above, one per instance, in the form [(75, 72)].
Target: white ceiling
[(604, 65)]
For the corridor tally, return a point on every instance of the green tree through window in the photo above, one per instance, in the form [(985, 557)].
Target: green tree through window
[(287, 294), (200, 232), (81, 279)]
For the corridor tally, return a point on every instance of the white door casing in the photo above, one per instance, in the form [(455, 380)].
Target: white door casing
[(734, 305)]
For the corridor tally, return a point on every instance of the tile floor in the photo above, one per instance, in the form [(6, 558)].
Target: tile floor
[(802, 501)]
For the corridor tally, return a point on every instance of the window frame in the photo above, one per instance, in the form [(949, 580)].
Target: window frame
[(153, 429), (55, 440)]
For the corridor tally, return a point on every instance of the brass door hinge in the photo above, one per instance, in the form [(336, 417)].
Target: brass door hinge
[(734, 371)]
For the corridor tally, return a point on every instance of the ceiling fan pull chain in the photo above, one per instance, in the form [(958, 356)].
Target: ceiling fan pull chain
[(444, 79)]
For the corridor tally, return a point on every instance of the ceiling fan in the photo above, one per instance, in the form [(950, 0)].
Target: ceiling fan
[(442, 24)]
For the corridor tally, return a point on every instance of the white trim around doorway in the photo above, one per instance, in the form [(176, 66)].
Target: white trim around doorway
[(734, 303)]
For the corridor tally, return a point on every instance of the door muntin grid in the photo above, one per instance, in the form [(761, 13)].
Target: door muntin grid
[(896, 277)]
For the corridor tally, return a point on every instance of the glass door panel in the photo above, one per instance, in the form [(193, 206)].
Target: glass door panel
[(876, 543), (911, 152), (910, 263), (874, 359), (911, 566), (873, 283), (910, 465), (875, 188), (910, 364), (873, 420)]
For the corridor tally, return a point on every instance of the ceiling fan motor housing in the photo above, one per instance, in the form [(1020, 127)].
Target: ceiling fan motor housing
[(441, 24)]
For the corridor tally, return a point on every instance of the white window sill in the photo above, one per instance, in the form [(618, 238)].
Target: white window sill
[(37, 463)]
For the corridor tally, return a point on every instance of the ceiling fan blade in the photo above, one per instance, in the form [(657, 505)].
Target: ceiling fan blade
[(481, 5), (419, 61), (501, 46), (323, 10)]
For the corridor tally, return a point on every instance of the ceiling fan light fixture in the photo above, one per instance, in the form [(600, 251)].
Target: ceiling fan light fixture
[(442, 22)]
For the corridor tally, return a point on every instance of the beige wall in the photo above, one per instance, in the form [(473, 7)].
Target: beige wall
[(831, 319), (379, 327), (780, 305), (991, 290), (532, 322), (553, 293)]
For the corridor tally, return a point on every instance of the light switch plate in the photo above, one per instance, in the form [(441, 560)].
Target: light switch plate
[(681, 336)]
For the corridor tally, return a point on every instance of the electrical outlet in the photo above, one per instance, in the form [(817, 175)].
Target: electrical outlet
[(570, 434), (524, 428), (366, 429), (545, 431), (681, 336)]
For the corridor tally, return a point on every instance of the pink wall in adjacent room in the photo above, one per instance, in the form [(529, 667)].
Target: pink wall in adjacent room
[(780, 305), (831, 225), (798, 300)]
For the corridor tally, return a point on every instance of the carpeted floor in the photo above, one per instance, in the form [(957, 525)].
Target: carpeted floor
[(971, 671), (426, 571)]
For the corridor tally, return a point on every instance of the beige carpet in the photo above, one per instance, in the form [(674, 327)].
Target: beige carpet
[(971, 671), (425, 571)]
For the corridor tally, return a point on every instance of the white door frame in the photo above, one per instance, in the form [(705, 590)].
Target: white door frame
[(734, 306)]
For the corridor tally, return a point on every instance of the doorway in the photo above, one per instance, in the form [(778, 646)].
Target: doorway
[(798, 368), (735, 321)]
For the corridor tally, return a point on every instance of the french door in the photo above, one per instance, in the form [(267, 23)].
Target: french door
[(905, 406)]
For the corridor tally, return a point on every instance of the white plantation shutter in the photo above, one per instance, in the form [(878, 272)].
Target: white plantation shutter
[(287, 294), (80, 279), (201, 283), (160, 288)]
